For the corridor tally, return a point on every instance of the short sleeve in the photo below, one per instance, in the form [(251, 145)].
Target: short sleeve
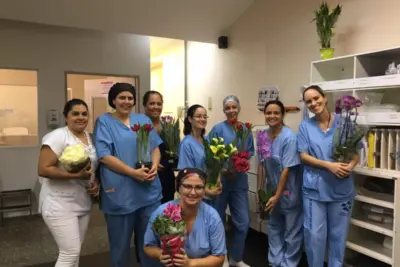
[(150, 237), (155, 139), (302, 139), (217, 236), (186, 157), (56, 140), (213, 133), (290, 155), (102, 139), (250, 143)]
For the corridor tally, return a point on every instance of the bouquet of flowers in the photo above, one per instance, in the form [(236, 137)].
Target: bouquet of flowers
[(170, 134), (263, 197), (74, 158), (264, 145), (348, 134), (241, 159), (216, 155), (171, 229), (143, 150)]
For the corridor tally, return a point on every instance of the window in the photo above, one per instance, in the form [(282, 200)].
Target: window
[(18, 108)]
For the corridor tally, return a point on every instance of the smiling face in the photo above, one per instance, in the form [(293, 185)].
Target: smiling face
[(231, 110), (154, 106), (192, 189), (273, 115), (199, 119), (124, 102), (77, 118), (315, 101)]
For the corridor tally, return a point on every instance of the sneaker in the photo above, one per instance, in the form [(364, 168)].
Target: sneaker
[(226, 262), (238, 263)]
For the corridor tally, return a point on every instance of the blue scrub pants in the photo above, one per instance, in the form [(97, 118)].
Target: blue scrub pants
[(238, 201), (285, 237), (120, 229), (322, 221)]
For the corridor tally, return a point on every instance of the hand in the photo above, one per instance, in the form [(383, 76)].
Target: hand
[(215, 191), (166, 260), (151, 175), (85, 173), (228, 174), (182, 259), (341, 170), (140, 174), (271, 204), (94, 188)]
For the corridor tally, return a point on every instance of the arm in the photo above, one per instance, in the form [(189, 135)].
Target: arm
[(217, 243), (47, 166), (104, 147), (250, 144), (260, 175)]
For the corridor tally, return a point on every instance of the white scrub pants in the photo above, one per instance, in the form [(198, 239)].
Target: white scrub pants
[(68, 232)]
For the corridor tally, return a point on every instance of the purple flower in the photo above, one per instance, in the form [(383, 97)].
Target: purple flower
[(264, 144), (173, 212)]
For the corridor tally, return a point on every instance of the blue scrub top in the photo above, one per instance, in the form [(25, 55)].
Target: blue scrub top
[(191, 154), (319, 183), (225, 130), (207, 236), (284, 155), (122, 194)]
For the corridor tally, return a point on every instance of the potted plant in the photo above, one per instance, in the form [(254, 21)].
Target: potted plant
[(325, 20)]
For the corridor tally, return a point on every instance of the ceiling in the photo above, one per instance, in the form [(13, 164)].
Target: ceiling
[(192, 20)]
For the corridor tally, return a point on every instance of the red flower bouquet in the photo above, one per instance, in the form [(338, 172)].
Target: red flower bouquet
[(171, 229), (143, 150), (240, 161)]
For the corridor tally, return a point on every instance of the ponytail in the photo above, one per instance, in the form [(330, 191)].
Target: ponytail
[(187, 126)]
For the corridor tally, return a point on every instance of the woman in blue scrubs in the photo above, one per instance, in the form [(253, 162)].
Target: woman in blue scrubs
[(191, 149), (235, 186), (284, 179), (128, 195), (153, 106), (328, 186), (205, 238)]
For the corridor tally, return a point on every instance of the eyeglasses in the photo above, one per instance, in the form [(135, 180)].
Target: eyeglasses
[(200, 117), (189, 188)]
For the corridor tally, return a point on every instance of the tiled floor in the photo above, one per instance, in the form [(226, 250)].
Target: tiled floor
[(26, 241)]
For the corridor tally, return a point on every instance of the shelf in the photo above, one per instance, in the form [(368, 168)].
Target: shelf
[(379, 199), (371, 249), (380, 173), (384, 229)]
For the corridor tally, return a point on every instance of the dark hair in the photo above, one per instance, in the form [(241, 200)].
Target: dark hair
[(187, 171), (148, 94), (118, 88), (275, 102), (187, 126), (316, 88), (71, 104)]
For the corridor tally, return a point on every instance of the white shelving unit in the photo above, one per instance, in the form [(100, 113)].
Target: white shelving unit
[(363, 76)]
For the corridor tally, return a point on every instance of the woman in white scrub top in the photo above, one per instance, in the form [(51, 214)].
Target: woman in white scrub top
[(64, 200)]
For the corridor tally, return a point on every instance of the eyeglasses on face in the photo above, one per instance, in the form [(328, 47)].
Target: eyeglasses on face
[(200, 117), (189, 188)]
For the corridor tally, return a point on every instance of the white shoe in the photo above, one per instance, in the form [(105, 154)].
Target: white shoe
[(237, 264), (226, 262)]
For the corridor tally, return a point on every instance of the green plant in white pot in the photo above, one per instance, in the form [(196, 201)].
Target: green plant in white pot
[(325, 20)]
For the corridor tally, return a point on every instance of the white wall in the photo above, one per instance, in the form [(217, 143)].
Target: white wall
[(273, 45), (52, 51)]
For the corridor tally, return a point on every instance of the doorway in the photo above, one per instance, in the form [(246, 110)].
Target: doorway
[(93, 89)]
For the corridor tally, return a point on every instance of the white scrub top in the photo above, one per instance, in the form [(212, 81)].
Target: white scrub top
[(60, 197)]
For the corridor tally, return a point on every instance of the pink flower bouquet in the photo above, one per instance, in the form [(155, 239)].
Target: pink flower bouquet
[(171, 229)]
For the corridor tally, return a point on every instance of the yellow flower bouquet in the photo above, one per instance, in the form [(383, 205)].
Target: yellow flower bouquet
[(216, 156), (74, 158)]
